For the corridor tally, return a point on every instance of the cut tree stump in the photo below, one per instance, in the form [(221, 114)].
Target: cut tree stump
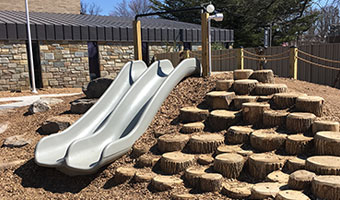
[(264, 98), (260, 165), (164, 183), (219, 99), (182, 196), (298, 144), (205, 143), (267, 140), (193, 114), (239, 100), (228, 149), (141, 176), (252, 113), (205, 159), (263, 76), (274, 118), (301, 179), (147, 160), (193, 174), (174, 162), (286, 100), (270, 89), (238, 134), (139, 149), (229, 165), (242, 73), (323, 125), (222, 119), (266, 190), (124, 174), (224, 85), (237, 190), (312, 104), (211, 182), (327, 143), (294, 164), (291, 195), (172, 142), (192, 127), (300, 122), (244, 87), (326, 187), (324, 165), (278, 176)]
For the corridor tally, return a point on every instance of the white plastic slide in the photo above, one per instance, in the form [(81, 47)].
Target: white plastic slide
[(50, 150), (128, 121)]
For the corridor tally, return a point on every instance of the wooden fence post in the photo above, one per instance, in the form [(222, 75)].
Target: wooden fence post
[(293, 62), (137, 40), (240, 58), (205, 44)]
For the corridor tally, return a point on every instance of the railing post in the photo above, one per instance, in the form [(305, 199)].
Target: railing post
[(240, 58), (137, 40), (205, 44), (293, 62)]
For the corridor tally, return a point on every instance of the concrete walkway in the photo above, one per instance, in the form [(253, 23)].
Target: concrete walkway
[(28, 100)]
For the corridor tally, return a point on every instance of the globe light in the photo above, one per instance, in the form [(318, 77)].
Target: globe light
[(210, 8)]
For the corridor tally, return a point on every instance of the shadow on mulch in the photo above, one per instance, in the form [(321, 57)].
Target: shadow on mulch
[(50, 179)]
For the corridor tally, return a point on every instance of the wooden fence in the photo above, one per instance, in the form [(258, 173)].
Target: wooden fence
[(316, 63)]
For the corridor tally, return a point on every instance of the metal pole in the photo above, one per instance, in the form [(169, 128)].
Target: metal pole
[(34, 90), (209, 20)]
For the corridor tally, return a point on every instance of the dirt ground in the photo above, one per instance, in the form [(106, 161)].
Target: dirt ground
[(40, 91), (29, 181)]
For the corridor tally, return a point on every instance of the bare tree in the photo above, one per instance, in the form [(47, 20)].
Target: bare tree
[(90, 9), (132, 8)]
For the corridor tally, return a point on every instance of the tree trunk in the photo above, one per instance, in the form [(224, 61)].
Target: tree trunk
[(326, 187), (300, 122), (252, 113), (164, 183), (244, 87), (273, 118), (267, 140), (172, 142), (211, 182), (270, 89), (260, 165), (239, 100), (205, 143), (242, 73), (263, 76), (286, 100), (229, 165), (238, 134), (222, 119), (324, 165), (312, 104), (327, 143), (291, 194), (301, 179), (299, 144), (321, 125), (193, 114), (224, 85), (174, 162), (192, 127), (219, 99)]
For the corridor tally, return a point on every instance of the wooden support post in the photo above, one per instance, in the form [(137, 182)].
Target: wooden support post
[(137, 40), (187, 54), (205, 44), (240, 59), (293, 62)]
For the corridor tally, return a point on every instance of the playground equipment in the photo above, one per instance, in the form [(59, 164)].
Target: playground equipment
[(110, 128)]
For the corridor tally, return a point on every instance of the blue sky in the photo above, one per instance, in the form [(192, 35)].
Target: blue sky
[(106, 5)]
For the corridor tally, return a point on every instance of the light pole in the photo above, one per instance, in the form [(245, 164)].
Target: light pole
[(217, 17)]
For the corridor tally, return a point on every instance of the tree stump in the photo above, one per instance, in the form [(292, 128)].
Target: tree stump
[(193, 174), (205, 159), (239, 100), (228, 149), (229, 165), (224, 85), (274, 118), (219, 99), (326, 187), (244, 87), (237, 190), (211, 182), (286, 100), (265, 190), (298, 144), (138, 150), (124, 174), (264, 98), (294, 164), (182, 196), (263, 76), (270, 89), (193, 114), (327, 143), (252, 113), (291, 195), (242, 73), (141, 176), (322, 125), (312, 104), (192, 127), (172, 142), (324, 165), (278, 176), (267, 140), (174, 162), (300, 122), (222, 119), (205, 143), (147, 160), (260, 165), (238, 134), (301, 179), (164, 183)]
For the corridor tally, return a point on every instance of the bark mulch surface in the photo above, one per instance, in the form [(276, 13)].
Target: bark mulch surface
[(40, 91), (29, 181)]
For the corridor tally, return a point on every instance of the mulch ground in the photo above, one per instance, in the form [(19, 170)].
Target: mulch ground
[(29, 181)]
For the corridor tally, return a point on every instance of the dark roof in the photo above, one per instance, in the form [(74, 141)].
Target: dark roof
[(54, 26)]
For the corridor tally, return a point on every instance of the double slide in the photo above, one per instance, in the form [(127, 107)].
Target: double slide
[(111, 126)]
